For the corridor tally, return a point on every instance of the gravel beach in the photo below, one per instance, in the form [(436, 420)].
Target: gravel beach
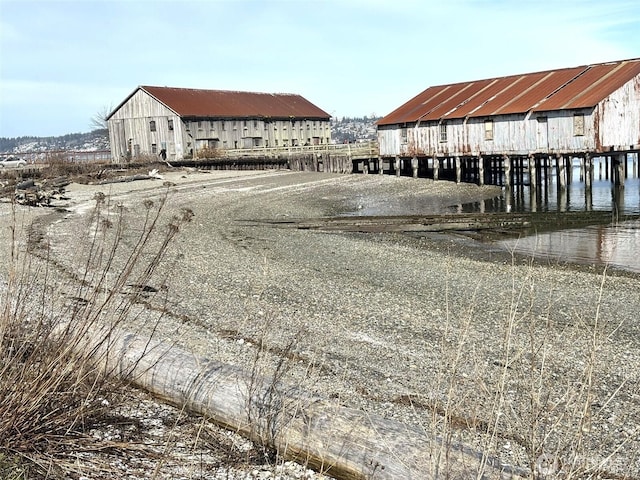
[(520, 359)]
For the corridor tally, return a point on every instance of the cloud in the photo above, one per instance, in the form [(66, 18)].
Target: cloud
[(351, 57)]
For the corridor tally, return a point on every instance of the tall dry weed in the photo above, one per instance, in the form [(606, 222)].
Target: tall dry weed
[(53, 389)]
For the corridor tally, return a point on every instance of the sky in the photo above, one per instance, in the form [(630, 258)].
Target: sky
[(65, 62)]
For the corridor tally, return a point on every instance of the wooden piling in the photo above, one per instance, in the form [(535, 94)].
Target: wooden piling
[(507, 170), (533, 175), (619, 165), (588, 171), (561, 171)]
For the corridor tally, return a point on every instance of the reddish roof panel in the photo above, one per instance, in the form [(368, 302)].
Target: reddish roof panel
[(491, 91), (514, 86), (465, 92), (420, 105), (545, 86), (188, 102), (596, 83), (567, 88)]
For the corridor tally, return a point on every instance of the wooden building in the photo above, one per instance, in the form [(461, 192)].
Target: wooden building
[(586, 111), (177, 123)]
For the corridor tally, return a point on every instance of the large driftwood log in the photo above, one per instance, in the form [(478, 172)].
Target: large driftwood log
[(343, 442)]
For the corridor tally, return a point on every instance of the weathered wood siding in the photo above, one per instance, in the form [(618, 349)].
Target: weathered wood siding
[(614, 124), (512, 135), (131, 123), (258, 132), (618, 117), (131, 133)]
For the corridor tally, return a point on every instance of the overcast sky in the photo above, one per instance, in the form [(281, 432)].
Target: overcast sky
[(63, 62)]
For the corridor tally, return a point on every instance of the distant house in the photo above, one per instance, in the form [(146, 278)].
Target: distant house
[(587, 110), (183, 123)]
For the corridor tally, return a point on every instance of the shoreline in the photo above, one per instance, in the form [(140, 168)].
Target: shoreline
[(396, 325)]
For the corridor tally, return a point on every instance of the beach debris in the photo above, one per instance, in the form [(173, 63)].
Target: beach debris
[(40, 194)]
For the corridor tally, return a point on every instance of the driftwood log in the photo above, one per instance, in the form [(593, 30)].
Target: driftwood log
[(342, 442)]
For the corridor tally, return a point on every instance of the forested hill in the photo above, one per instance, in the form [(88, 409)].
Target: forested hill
[(90, 141)]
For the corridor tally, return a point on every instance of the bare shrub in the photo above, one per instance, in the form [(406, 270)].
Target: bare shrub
[(60, 164), (207, 152), (53, 389), (146, 158)]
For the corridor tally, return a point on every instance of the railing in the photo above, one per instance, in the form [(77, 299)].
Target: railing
[(93, 156), (354, 150)]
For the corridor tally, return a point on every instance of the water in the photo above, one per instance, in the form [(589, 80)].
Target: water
[(616, 245), (613, 245)]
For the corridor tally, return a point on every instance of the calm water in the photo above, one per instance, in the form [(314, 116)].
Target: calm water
[(617, 244)]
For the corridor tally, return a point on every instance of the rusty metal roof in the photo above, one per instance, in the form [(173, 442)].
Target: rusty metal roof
[(567, 88), (188, 102)]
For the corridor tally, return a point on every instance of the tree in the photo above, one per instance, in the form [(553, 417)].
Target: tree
[(99, 120)]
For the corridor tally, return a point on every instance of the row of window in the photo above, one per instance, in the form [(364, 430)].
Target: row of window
[(256, 142), (578, 128), (212, 123)]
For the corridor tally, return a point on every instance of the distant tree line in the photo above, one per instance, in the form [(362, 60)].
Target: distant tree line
[(68, 141), (365, 119)]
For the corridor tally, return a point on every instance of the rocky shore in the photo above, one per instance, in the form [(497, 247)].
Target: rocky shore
[(532, 363)]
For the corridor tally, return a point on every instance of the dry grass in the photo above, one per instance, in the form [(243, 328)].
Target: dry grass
[(52, 389), (535, 402), (207, 152)]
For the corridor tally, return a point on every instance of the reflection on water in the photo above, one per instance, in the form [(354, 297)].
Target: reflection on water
[(617, 244), (614, 245)]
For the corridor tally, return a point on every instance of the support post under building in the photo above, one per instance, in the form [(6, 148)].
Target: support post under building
[(507, 170)]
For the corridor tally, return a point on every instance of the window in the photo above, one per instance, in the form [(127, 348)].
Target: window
[(443, 132), (488, 129), (154, 148), (403, 134), (152, 125), (578, 124), (222, 125), (199, 123), (255, 124), (212, 124), (171, 124)]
